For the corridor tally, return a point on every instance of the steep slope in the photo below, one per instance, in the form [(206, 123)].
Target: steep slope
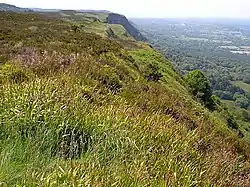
[(122, 20), (78, 109)]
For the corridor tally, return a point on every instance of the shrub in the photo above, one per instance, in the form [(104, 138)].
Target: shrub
[(246, 115), (200, 87), (246, 80), (12, 74), (232, 124), (242, 102), (152, 73), (110, 79), (224, 94)]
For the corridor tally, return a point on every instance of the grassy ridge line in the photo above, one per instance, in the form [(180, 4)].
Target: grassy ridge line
[(93, 23), (96, 120)]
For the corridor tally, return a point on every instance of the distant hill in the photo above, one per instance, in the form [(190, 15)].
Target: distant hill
[(45, 10), (11, 8), (80, 10), (95, 11)]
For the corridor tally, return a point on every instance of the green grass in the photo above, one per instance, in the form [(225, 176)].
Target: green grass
[(229, 103), (242, 85), (120, 143), (120, 31), (116, 145), (78, 110)]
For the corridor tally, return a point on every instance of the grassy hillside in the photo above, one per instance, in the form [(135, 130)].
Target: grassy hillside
[(78, 109), (92, 22)]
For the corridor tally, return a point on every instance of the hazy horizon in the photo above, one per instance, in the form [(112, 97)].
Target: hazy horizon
[(149, 8)]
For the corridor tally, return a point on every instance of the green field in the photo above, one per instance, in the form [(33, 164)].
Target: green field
[(229, 103), (242, 85)]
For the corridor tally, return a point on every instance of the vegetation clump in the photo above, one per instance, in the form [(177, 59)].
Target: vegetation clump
[(200, 87), (12, 74)]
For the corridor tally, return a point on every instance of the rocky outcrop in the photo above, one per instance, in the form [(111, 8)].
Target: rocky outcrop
[(122, 20)]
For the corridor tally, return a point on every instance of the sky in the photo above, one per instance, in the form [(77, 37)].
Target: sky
[(149, 8)]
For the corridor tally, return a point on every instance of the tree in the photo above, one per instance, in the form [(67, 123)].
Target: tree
[(223, 94), (200, 87), (242, 102), (246, 80)]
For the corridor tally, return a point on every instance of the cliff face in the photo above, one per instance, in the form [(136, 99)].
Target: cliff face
[(122, 20)]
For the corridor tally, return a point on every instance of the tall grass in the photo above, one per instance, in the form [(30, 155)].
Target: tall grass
[(52, 134)]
